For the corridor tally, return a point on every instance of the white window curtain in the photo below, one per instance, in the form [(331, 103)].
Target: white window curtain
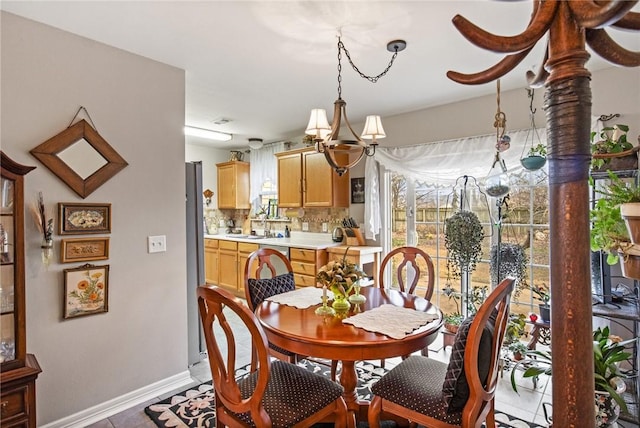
[(441, 163), (264, 166)]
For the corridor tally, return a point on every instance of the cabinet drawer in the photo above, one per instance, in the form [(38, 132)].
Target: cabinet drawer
[(304, 280), (303, 268), (228, 245), (302, 255), (211, 243), (14, 403), (245, 247)]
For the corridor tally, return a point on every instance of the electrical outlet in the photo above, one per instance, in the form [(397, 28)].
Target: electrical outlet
[(157, 244), (305, 226), (325, 227)]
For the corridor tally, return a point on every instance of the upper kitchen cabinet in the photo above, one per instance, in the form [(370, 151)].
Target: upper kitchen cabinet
[(305, 179), (233, 185)]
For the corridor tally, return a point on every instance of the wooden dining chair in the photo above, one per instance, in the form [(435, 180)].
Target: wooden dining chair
[(275, 394), (261, 281), (407, 275), (459, 394)]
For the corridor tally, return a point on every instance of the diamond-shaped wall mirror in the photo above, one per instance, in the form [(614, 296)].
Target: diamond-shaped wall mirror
[(80, 157)]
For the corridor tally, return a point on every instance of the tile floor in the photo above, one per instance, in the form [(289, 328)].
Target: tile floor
[(526, 404)]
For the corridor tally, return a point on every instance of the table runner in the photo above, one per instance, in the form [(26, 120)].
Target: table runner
[(390, 320), (300, 298)]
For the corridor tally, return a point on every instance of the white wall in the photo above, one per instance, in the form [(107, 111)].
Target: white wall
[(209, 157), (137, 105)]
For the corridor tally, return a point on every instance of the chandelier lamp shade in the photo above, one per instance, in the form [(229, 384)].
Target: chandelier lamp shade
[(339, 137)]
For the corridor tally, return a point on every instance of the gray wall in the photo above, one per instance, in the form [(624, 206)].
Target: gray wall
[(137, 105)]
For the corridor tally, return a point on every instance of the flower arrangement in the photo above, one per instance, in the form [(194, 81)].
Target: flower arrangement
[(339, 276), (89, 291), (44, 224)]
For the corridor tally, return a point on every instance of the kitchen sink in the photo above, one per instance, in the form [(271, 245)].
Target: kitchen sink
[(236, 235)]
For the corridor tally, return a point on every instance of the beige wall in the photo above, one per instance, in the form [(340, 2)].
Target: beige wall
[(137, 105)]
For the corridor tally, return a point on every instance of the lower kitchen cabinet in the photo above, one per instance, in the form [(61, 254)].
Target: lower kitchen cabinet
[(244, 250), (211, 261), (228, 265), (305, 264)]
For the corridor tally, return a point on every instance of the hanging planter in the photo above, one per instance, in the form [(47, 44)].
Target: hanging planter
[(613, 151), (463, 236), (536, 156), (513, 262)]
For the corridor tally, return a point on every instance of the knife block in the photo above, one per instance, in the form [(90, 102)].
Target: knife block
[(353, 236)]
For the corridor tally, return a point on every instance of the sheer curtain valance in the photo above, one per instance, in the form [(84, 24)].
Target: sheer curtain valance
[(441, 163)]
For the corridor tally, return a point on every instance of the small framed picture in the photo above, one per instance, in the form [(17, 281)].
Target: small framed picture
[(84, 249), (76, 219), (357, 190), (86, 290)]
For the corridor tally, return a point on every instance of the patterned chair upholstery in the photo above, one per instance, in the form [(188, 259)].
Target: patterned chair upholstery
[(277, 394), (459, 394), (261, 282)]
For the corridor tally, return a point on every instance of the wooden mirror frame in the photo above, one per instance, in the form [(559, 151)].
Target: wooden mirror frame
[(47, 153)]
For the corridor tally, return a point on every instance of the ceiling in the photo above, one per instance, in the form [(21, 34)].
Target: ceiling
[(263, 65)]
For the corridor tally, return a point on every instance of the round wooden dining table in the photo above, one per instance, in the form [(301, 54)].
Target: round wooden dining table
[(324, 336)]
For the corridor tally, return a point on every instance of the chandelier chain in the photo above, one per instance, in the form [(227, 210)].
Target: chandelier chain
[(372, 79)]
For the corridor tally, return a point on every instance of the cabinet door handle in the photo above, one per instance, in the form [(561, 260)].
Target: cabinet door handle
[(3, 406)]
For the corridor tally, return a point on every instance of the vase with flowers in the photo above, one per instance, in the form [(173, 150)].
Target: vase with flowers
[(340, 277)]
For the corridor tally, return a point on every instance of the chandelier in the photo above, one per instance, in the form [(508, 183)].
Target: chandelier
[(337, 149)]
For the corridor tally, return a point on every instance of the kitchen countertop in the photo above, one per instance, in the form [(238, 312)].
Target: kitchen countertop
[(310, 241)]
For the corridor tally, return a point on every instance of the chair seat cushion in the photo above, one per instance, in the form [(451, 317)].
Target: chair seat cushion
[(261, 289), (416, 383), (293, 394)]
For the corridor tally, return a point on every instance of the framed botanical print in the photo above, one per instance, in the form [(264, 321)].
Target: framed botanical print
[(86, 290), (84, 249), (77, 219)]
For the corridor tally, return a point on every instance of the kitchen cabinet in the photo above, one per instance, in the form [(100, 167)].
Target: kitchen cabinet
[(18, 370), (228, 265), (305, 264), (211, 261), (233, 185), (305, 179), (232, 256)]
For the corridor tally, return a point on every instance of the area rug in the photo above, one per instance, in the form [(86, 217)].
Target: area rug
[(193, 408)]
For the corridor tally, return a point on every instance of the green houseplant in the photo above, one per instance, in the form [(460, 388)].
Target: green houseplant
[(608, 351), (518, 349), (612, 227), (610, 149), (542, 293), (513, 263), (463, 236)]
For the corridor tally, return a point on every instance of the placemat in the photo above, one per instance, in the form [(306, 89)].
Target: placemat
[(300, 298), (390, 320)]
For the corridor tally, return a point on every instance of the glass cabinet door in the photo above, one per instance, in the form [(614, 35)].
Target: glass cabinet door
[(8, 308)]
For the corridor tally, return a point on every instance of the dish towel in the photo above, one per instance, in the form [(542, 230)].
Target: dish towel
[(390, 320), (301, 298)]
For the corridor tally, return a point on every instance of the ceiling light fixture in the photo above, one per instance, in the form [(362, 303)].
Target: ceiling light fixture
[(255, 143), (327, 138), (207, 133)]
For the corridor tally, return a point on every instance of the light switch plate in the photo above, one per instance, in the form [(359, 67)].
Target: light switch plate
[(157, 244), (305, 226)]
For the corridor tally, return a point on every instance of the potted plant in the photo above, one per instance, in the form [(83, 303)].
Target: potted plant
[(614, 227), (536, 158), (515, 329), (513, 262), (544, 296), (518, 349), (452, 321), (463, 241), (608, 351), (612, 150)]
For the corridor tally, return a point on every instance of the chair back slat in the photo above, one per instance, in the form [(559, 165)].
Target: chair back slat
[(411, 257), (212, 301), (481, 393)]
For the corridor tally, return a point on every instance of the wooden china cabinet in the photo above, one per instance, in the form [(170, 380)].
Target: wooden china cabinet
[(19, 370)]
